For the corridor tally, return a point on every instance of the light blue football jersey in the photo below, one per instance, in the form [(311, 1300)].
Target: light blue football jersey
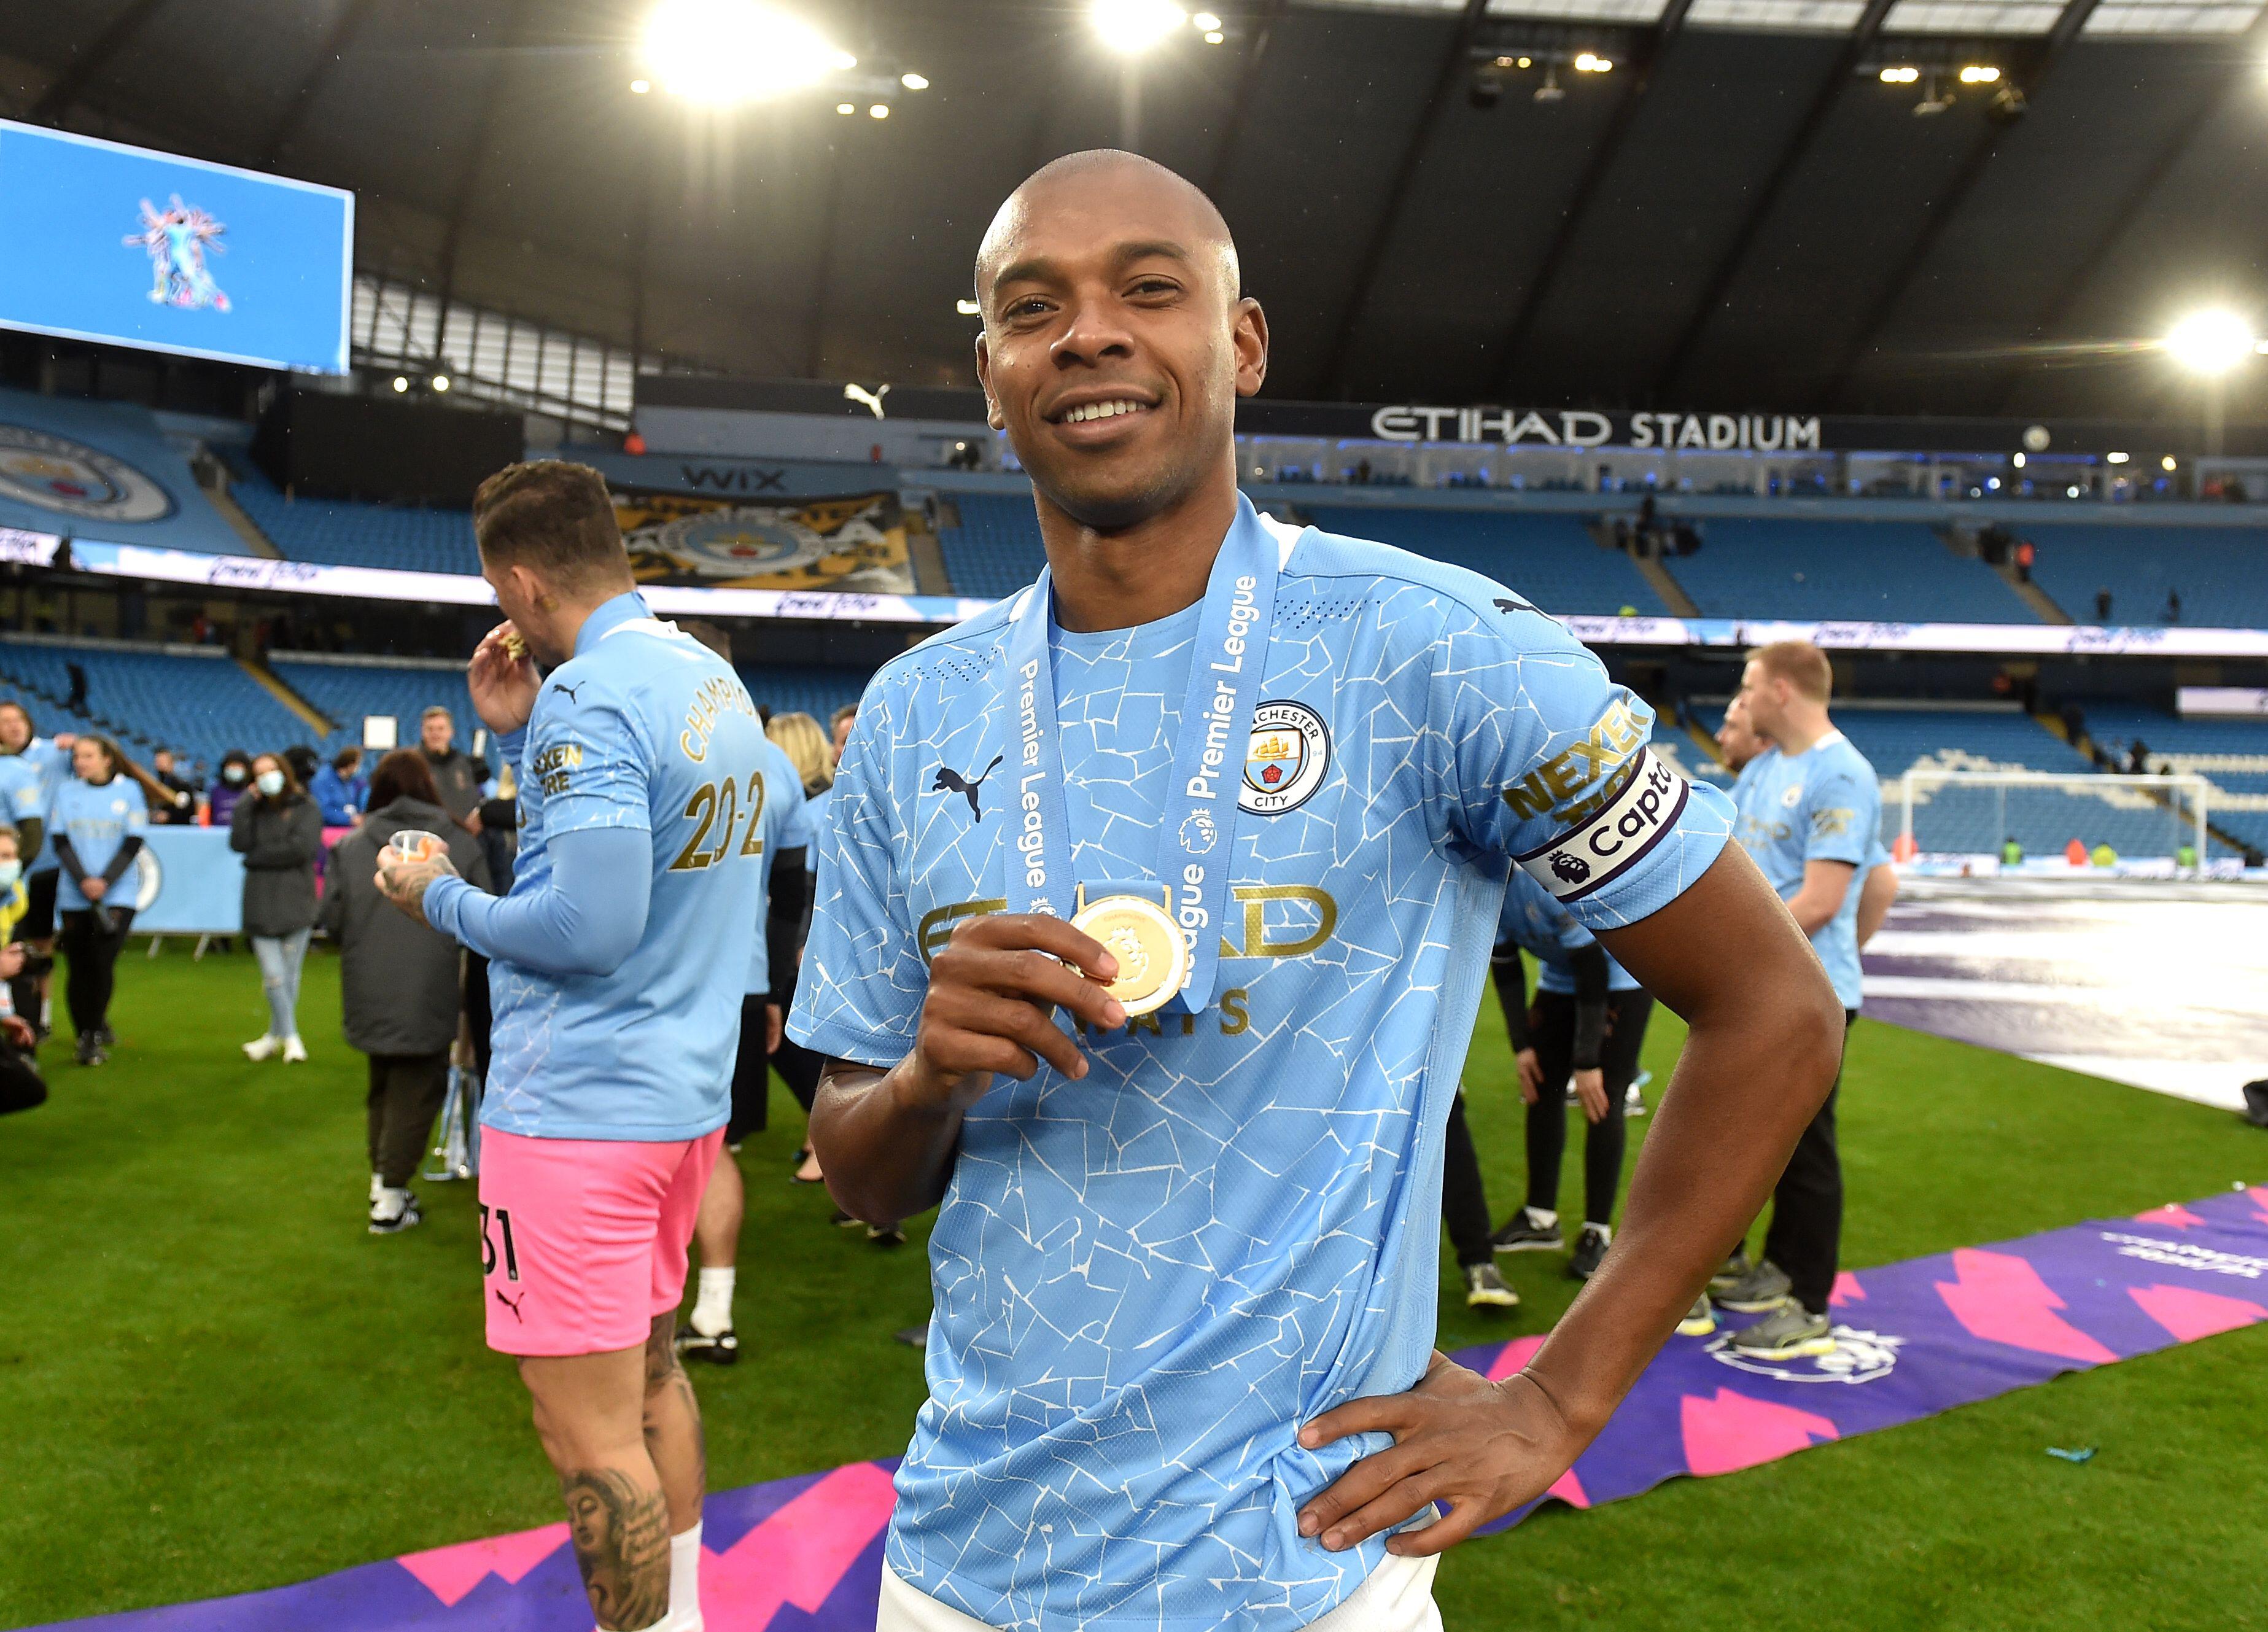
[(783, 822), (646, 728), (1535, 919), (97, 821), (53, 766), (1145, 1281), (22, 792), (1823, 804)]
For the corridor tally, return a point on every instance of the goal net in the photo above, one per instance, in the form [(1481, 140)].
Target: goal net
[(1966, 813)]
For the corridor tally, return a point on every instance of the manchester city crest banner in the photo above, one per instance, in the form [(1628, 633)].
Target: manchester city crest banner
[(857, 543), (102, 472)]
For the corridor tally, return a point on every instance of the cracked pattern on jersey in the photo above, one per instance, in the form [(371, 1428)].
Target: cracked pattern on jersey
[(1147, 1280)]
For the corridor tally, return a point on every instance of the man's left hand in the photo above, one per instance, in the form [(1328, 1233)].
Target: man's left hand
[(405, 883), (771, 1028), (1483, 1448)]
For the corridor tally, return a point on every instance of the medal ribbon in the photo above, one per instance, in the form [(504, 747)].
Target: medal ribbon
[(1197, 827)]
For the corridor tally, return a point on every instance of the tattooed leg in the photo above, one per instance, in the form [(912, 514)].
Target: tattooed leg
[(621, 1531), (588, 1411), (672, 1424)]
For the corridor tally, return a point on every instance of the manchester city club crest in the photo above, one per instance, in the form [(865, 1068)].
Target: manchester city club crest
[(1858, 1357), (739, 543), (57, 474), (1284, 759)]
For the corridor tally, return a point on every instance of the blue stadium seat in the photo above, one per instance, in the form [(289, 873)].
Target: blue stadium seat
[(2221, 572), (344, 691), (1546, 556), (996, 550), (198, 703), (812, 689), (343, 532), (1869, 572), (2232, 755)]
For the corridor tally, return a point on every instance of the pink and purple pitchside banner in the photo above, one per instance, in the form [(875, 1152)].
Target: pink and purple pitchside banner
[(1912, 1339)]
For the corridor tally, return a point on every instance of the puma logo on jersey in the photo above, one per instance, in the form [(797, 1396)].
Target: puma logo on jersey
[(569, 690), (951, 780), (512, 1304), (1512, 603)]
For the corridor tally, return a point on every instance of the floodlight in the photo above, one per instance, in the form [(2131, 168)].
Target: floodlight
[(880, 110), (1213, 36), (1586, 63), (2169, 463), (1900, 75), (2211, 342), (402, 382), (2114, 459), (1525, 62), (1206, 23), (1132, 26), (2017, 459), (1979, 74), (639, 87), (728, 51), (440, 382), (914, 82), (846, 107), (967, 307)]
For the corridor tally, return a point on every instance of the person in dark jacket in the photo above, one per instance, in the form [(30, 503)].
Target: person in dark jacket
[(178, 804), (398, 979), (233, 783), (279, 832)]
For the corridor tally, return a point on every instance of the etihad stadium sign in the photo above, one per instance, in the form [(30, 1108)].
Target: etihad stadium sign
[(1586, 428)]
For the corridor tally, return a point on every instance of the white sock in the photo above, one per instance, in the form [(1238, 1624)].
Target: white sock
[(712, 1311), (1541, 1217), (685, 1569), (1605, 1232), (377, 1188)]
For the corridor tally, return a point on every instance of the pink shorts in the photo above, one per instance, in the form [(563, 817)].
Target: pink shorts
[(582, 1241)]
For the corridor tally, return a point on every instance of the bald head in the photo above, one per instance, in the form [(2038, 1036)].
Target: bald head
[(1123, 195)]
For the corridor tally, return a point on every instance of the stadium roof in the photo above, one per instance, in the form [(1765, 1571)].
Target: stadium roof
[(1740, 214)]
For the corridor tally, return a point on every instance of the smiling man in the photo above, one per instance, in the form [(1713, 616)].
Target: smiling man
[(1170, 1036)]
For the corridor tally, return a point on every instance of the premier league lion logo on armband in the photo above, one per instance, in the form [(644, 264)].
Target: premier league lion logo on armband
[(1570, 869)]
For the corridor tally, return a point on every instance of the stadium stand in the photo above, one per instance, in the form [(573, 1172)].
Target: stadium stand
[(192, 699), (2221, 572), (1548, 556), (2232, 755), (1873, 571), (345, 689), (996, 550), (343, 532)]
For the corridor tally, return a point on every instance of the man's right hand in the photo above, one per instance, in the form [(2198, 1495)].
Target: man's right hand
[(993, 992), (503, 686), (1531, 1075)]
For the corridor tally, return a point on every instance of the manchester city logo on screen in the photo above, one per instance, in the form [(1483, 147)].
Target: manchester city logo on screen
[(176, 238), (57, 474)]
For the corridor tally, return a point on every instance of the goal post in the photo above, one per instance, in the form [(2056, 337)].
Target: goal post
[(1973, 813)]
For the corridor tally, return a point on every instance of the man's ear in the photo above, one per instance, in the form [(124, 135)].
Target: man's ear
[(1250, 339), (992, 415)]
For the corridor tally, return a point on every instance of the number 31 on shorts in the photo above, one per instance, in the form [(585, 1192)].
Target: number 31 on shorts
[(502, 1217)]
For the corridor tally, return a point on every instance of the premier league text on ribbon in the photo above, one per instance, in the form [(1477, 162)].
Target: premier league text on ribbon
[(1033, 838), (1219, 729)]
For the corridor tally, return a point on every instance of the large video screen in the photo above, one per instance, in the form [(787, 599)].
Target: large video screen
[(120, 244)]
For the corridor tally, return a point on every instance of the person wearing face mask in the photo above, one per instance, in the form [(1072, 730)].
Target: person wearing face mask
[(21, 1086), (279, 832), (233, 783), (99, 818)]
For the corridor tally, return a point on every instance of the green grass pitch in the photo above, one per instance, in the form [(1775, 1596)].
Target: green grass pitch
[(213, 1379)]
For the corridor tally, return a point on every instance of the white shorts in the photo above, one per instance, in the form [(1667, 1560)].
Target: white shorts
[(1397, 1597)]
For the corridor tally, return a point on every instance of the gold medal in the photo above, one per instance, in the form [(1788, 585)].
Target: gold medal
[(1153, 961)]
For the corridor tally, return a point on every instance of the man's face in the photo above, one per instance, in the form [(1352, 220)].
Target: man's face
[(15, 729), (842, 733), (1114, 345), (1763, 699), (437, 733), (521, 599), (1737, 736), (162, 762)]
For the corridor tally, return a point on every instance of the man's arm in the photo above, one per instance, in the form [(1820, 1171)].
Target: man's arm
[(1875, 898), (1825, 884), (584, 921), (887, 1139), (1764, 1041)]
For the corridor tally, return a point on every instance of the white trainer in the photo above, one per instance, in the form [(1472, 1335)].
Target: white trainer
[(263, 1047), (294, 1052)]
